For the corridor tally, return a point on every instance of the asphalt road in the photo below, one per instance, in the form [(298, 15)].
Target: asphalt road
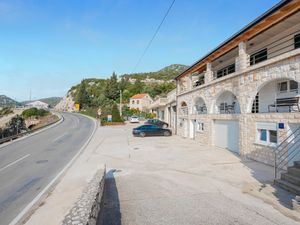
[(27, 166)]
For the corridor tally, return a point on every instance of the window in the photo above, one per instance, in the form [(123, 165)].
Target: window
[(297, 41), (267, 133), (273, 136), (199, 126), (137, 102), (226, 70), (259, 56), (283, 87), (132, 102), (293, 85), (262, 134), (287, 86)]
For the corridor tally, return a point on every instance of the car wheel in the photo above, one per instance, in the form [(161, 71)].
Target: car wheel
[(142, 134), (167, 133)]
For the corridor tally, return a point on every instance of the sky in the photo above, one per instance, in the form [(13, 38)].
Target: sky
[(48, 46)]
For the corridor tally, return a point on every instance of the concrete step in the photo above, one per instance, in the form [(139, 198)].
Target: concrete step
[(294, 171), (297, 164), (290, 178), (288, 186)]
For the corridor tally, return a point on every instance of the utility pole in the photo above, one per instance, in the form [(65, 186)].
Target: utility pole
[(120, 102)]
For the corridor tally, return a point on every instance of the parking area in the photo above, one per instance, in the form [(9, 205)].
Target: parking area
[(171, 180)]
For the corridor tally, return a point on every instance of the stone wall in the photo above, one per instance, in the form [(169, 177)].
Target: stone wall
[(244, 85), (86, 209)]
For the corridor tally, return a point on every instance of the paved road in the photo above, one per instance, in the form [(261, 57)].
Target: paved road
[(27, 166)]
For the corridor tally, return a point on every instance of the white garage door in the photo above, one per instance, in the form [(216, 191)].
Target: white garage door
[(227, 135)]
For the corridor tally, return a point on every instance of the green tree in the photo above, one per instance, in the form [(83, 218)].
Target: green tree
[(116, 114), (112, 87), (82, 96)]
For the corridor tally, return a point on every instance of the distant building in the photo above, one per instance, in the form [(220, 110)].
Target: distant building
[(38, 105), (141, 102)]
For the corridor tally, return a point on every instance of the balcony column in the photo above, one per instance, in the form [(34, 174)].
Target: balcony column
[(208, 76), (190, 82), (241, 61)]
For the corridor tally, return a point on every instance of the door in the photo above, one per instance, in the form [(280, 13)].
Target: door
[(227, 134)]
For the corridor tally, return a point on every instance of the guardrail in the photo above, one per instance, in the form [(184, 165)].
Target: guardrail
[(18, 135)]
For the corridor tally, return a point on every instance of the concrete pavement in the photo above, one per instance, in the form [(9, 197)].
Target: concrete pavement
[(28, 165), (169, 181)]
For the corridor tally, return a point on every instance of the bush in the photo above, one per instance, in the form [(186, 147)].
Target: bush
[(34, 112)]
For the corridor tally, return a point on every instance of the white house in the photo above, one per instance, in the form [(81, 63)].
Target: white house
[(140, 101)]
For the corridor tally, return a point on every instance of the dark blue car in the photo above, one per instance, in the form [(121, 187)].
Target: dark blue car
[(151, 130)]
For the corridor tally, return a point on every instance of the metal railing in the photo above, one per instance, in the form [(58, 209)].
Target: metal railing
[(200, 109), (286, 151), (277, 47), (11, 137)]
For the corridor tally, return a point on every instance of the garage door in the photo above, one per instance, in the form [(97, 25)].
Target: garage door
[(227, 135)]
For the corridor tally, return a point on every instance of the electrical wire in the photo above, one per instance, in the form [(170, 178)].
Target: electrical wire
[(154, 35)]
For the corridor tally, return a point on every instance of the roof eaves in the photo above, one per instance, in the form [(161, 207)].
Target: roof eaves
[(251, 24)]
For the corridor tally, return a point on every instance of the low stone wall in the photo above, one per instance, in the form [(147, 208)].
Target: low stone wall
[(86, 209)]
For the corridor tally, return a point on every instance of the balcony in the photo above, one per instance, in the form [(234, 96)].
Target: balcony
[(277, 40), (199, 107), (184, 111), (277, 96), (198, 79), (227, 103)]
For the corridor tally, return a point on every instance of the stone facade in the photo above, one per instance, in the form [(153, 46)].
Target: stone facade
[(244, 84)]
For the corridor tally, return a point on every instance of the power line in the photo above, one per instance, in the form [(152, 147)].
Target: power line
[(154, 35)]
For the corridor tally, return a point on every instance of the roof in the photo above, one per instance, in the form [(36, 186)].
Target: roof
[(138, 96), (261, 18)]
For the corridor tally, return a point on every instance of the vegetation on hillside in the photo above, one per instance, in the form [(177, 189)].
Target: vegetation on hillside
[(166, 74), (6, 111), (94, 93), (34, 112)]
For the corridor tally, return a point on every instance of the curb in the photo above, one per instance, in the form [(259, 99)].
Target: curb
[(25, 214), (61, 119)]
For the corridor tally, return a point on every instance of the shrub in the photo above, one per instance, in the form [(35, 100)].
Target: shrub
[(34, 112)]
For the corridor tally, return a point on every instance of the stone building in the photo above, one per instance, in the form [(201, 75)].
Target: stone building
[(244, 95), (140, 101)]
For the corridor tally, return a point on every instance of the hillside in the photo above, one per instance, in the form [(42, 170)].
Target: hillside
[(165, 74), (52, 101), (7, 102)]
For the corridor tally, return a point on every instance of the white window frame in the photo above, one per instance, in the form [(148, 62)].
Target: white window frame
[(288, 90), (268, 127)]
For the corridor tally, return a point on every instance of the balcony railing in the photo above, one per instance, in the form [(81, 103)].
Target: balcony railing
[(278, 47), (200, 109)]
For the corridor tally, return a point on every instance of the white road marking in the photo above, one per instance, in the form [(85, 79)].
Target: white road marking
[(14, 162), (59, 137), (26, 210)]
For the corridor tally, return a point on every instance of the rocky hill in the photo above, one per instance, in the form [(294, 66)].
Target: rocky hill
[(8, 102), (51, 101)]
